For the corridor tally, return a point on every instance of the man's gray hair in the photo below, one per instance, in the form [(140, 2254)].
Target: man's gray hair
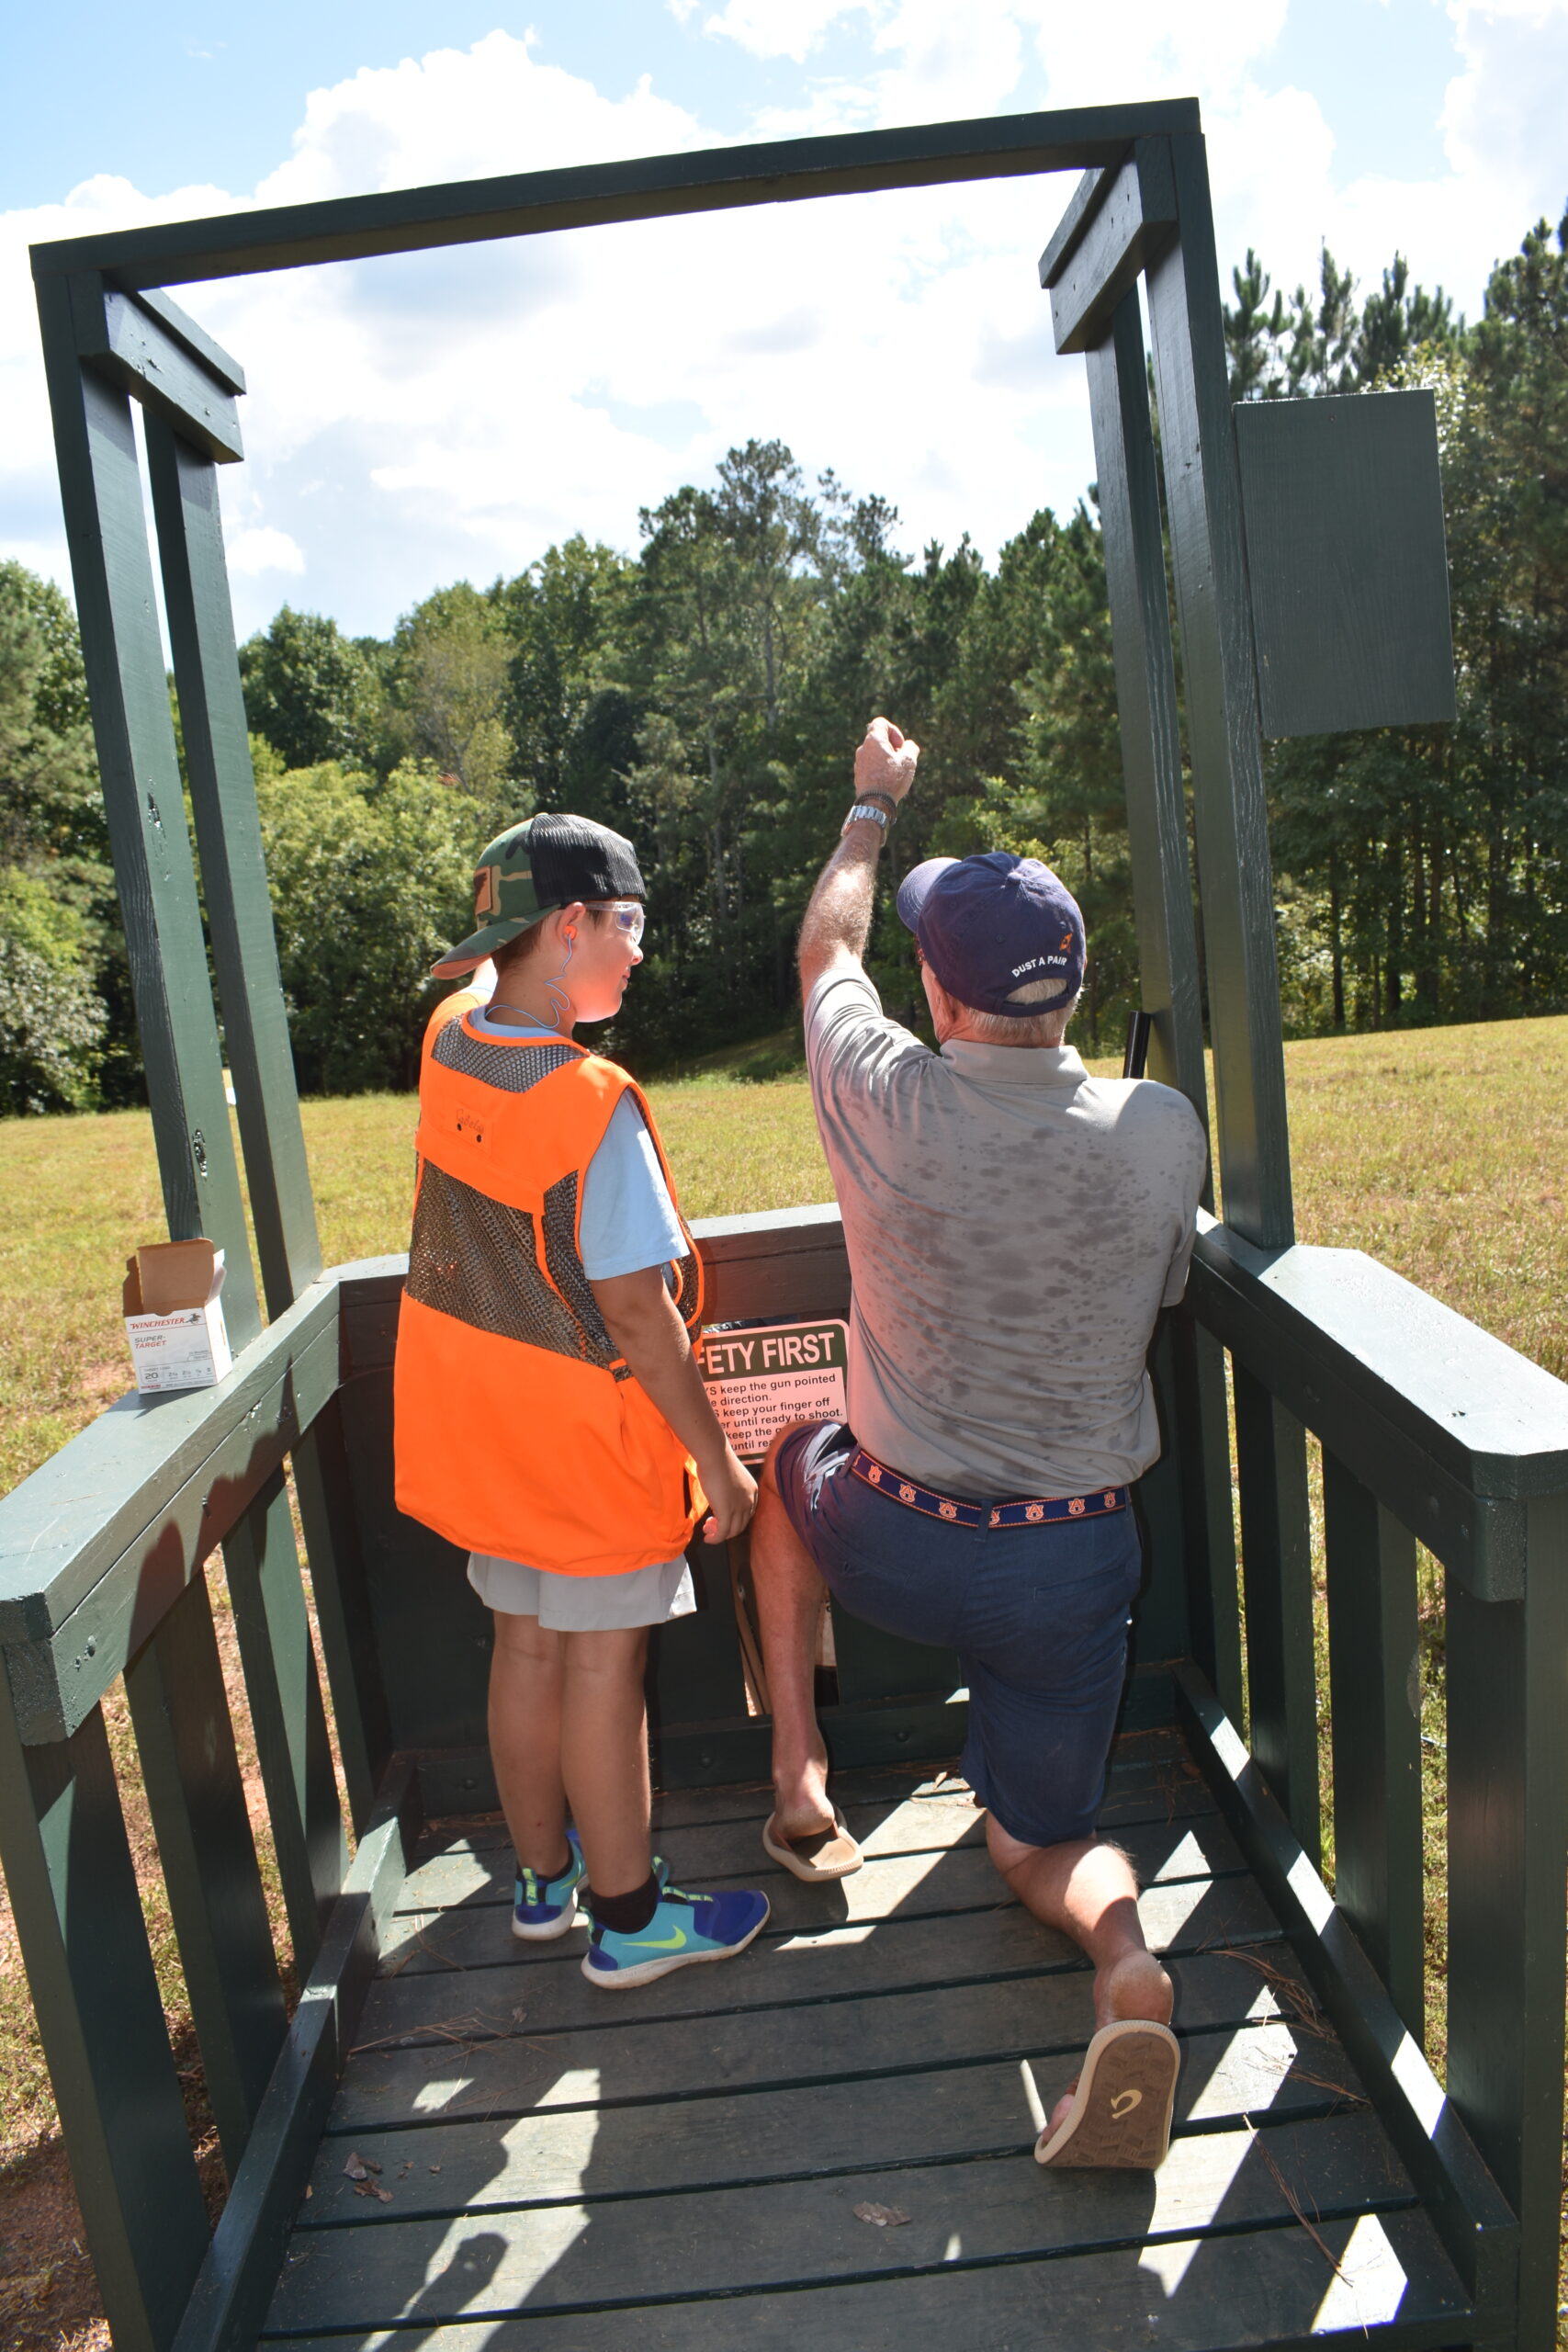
[(1041, 1029)]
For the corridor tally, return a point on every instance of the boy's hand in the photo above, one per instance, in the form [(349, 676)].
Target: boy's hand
[(732, 1498)]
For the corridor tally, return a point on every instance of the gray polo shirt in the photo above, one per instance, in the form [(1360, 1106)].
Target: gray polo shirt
[(1014, 1226)]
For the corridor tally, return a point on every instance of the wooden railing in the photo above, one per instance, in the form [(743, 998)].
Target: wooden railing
[(1430, 1430)]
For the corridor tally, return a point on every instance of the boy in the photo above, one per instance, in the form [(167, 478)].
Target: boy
[(552, 1280)]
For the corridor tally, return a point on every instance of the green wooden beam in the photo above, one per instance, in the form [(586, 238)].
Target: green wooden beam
[(1132, 223), (194, 338), (1276, 1569), (262, 1563), (1146, 707), (1507, 1822), (78, 1915), (119, 337), (233, 868), (185, 1741), (1374, 1669), (106, 527), (1203, 503), (645, 188)]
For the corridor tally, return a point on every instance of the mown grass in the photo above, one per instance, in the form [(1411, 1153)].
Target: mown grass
[(1442, 1152)]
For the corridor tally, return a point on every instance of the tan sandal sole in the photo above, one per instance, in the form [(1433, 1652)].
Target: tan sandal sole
[(1121, 2111), (837, 1856)]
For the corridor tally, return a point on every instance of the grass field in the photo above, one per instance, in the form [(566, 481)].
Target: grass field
[(1442, 1152)]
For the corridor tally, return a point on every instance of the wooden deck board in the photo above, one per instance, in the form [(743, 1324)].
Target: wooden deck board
[(924, 2114), (691, 2151), (1281, 2288)]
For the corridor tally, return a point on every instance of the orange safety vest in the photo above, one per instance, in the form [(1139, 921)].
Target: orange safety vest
[(519, 1430)]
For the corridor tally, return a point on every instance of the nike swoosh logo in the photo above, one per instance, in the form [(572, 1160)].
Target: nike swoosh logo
[(664, 1943)]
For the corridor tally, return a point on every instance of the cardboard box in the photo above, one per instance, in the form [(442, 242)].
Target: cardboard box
[(173, 1316)]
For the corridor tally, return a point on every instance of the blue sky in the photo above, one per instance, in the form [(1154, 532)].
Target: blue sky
[(414, 420)]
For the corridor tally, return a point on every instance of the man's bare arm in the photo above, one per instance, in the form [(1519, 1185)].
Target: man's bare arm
[(838, 921)]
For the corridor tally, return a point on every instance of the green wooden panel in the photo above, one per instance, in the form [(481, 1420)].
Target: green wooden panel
[(1375, 1684), (324, 1489), (234, 870), (1346, 561), (191, 1774), (648, 187), (1203, 504), (63, 1529), (119, 336), (1478, 2231), (1190, 1383), (693, 1663), (58, 1679), (78, 1915), (263, 1566), (1276, 1566), (107, 531), (872, 1664), (1132, 221), (1507, 1806), (1146, 707), (232, 2292)]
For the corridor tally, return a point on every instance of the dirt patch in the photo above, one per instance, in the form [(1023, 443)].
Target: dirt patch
[(49, 2297)]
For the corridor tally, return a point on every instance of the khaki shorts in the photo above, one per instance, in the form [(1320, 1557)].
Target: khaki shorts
[(584, 1604)]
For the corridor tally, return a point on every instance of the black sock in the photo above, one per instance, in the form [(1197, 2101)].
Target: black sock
[(547, 1877), (626, 1913)]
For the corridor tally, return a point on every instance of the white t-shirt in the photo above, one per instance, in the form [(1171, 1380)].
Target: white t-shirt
[(1014, 1226)]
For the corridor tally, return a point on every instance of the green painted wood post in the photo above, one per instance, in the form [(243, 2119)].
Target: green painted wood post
[(1145, 706), (105, 529), (185, 1742), (1276, 1567), (1203, 503), (233, 871), (1374, 1682), (324, 1484), (1508, 1845), (1189, 1366), (84, 1941), (261, 1561)]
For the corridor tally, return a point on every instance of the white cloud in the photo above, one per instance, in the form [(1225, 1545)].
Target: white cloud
[(252, 552), (780, 28)]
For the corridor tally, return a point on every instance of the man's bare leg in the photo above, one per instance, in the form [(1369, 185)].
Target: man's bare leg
[(526, 1677), (790, 1600), (1087, 1890)]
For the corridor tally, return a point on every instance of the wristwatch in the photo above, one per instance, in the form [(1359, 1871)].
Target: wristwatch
[(863, 809)]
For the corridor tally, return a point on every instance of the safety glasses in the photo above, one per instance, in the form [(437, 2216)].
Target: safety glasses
[(627, 916)]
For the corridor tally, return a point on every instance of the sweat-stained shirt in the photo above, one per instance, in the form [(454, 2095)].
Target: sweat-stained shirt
[(1014, 1226)]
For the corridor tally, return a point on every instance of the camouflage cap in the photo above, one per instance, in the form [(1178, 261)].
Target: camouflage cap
[(543, 863)]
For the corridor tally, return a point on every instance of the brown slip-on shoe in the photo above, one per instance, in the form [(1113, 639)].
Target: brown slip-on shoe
[(825, 1854), (1121, 2110)]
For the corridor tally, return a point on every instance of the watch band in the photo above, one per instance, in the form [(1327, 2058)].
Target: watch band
[(862, 809)]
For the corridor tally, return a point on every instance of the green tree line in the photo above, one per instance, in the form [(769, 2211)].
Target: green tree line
[(704, 693)]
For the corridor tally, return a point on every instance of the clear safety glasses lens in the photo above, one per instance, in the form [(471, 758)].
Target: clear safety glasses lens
[(629, 920)]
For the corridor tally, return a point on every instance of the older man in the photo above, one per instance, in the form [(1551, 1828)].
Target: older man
[(1013, 1228)]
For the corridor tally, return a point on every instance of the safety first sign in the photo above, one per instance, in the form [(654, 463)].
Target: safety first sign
[(760, 1376)]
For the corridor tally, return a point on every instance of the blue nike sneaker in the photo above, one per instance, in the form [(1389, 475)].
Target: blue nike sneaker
[(684, 1928), (544, 1907)]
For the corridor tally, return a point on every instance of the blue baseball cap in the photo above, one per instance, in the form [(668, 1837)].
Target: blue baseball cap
[(989, 925)]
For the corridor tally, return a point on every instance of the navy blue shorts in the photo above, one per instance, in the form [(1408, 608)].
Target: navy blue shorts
[(1038, 1616)]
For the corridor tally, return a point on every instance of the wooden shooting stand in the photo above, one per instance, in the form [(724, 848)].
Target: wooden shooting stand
[(683, 2167)]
